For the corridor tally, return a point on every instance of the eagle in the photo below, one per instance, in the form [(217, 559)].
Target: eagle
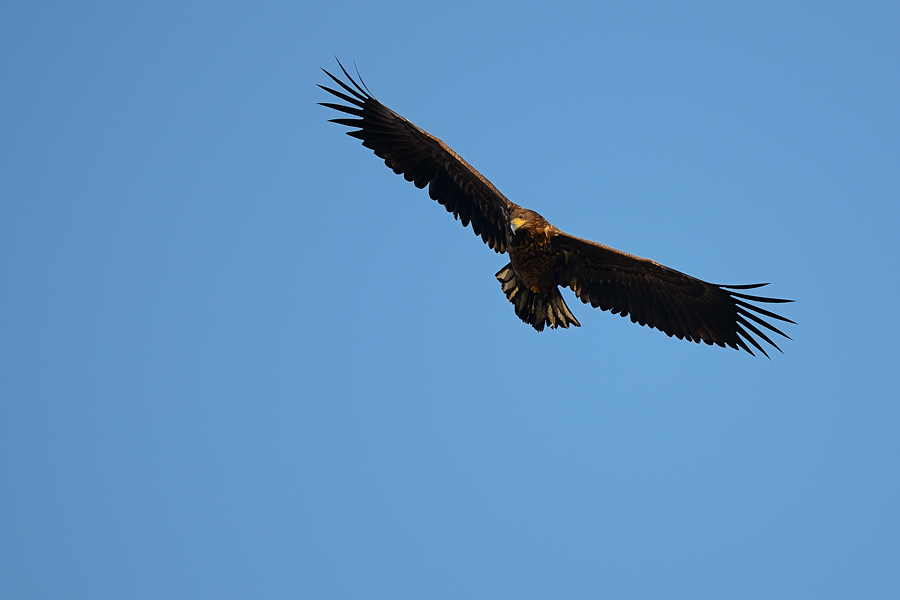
[(542, 258)]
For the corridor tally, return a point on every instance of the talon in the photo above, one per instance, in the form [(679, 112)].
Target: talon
[(535, 289)]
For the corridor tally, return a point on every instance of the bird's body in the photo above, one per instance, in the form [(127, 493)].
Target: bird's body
[(542, 257), (531, 254)]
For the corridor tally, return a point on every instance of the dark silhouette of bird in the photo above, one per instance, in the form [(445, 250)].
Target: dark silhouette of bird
[(542, 257)]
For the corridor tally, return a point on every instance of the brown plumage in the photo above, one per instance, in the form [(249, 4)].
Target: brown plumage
[(542, 257)]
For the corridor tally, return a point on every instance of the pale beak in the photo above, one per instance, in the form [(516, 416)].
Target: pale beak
[(516, 223)]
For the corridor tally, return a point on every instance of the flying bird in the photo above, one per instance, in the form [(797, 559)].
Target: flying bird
[(542, 257)]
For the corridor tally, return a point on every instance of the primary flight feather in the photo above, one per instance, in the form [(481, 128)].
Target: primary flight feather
[(543, 258)]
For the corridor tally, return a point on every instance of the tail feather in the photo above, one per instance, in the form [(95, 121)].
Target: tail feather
[(544, 308)]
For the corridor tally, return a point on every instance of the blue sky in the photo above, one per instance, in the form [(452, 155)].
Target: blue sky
[(241, 358)]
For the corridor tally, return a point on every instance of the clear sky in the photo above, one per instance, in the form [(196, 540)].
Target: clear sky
[(240, 358)]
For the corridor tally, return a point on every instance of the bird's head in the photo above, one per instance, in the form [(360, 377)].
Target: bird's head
[(522, 218)]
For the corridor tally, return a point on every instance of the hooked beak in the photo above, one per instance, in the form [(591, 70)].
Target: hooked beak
[(516, 223)]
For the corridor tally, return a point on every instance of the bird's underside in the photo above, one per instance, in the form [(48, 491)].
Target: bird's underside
[(543, 258)]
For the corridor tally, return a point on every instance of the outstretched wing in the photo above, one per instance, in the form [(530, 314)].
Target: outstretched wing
[(425, 160), (663, 298)]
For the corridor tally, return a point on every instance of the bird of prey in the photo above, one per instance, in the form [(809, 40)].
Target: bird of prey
[(543, 258)]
